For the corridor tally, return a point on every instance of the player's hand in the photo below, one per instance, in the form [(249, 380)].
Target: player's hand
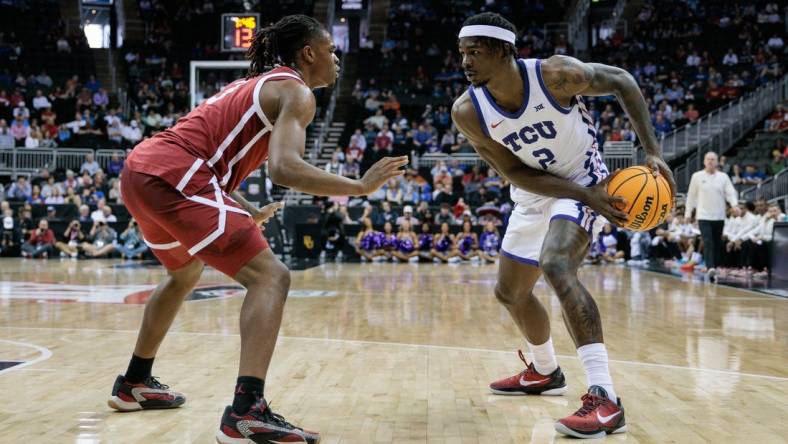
[(383, 170), (605, 204), (263, 214), (658, 165)]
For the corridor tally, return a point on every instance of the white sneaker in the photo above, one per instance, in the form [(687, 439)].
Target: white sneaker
[(436, 260), (414, 260), (455, 260)]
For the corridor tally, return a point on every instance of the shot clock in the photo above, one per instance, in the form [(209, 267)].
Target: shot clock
[(238, 31)]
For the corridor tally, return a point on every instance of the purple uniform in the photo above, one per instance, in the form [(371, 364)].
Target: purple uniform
[(425, 242), (405, 245), (490, 242), (442, 243), (466, 243)]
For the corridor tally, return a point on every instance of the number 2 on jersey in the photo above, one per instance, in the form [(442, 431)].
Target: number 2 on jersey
[(545, 156)]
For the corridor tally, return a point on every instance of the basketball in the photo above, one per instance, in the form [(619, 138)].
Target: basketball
[(648, 198)]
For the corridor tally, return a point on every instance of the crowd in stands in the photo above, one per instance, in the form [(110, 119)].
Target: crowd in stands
[(79, 204)]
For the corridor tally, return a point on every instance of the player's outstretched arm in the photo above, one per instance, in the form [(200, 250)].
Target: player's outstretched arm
[(524, 177), (286, 165), (567, 77)]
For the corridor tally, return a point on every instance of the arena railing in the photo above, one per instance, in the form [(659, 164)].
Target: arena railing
[(25, 161), (719, 130), (773, 189)]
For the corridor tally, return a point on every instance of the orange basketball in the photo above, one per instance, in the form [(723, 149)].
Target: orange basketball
[(649, 199)]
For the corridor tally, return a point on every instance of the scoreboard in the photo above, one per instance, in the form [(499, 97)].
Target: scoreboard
[(238, 31)]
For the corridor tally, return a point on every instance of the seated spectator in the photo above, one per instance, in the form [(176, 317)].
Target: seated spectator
[(358, 142), (89, 166), (462, 146), (777, 164), (378, 120), (738, 234), (40, 101), (424, 214), (752, 175), (99, 214), (55, 198), (736, 174), (35, 197), (131, 245), (406, 244), (352, 169), (778, 119), (6, 138), (445, 215), (102, 240), (131, 132), (40, 243), (335, 166), (85, 217), (394, 191), (407, 217), (691, 114), (755, 251), (19, 130), (441, 195), (19, 191), (10, 235), (386, 214), (115, 166), (384, 139), (108, 216), (609, 250), (72, 238)]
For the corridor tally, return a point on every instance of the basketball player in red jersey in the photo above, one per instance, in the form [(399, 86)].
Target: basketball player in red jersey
[(180, 186), (527, 120)]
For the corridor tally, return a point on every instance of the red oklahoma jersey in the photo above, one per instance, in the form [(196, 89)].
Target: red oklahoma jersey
[(176, 183), (226, 137)]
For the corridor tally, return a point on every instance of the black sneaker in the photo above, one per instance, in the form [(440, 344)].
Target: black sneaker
[(149, 394), (260, 425)]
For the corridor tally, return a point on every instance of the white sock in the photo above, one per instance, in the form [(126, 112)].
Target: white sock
[(544, 357), (594, 360)]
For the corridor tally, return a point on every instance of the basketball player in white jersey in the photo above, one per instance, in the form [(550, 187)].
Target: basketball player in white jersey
[(527, 120)]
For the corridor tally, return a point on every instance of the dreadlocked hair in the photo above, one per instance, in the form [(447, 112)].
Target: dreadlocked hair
[(497, 20), (278, 44)]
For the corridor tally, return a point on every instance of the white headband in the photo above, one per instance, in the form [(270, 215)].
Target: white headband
[(488, 31)]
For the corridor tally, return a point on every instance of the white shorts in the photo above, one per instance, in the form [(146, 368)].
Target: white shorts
[(528, 226)]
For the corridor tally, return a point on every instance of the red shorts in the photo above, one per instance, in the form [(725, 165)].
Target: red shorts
[(208, 225)]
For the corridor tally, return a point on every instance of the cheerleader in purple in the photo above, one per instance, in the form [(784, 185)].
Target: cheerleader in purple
[(406, 244), (443, 249), (489, 243), (367, 243), (467, 242), (388, 243), (425, 241)]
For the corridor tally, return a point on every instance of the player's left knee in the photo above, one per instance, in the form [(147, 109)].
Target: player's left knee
[(557, 270)]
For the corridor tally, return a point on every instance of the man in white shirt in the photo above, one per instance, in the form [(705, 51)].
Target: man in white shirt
[(407, 217), (749, 223), (40, 101), (708, 191)]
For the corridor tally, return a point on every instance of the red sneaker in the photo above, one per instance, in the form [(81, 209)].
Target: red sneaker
[(531, 382), (599, 416)]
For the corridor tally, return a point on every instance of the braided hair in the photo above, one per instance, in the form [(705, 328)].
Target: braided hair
[(494, 19), (278, 44)]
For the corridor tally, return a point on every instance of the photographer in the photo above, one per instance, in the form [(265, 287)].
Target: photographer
[(102, 240), (73, 236), (131, 245), (41, 242)]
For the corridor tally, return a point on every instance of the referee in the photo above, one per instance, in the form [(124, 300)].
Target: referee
[(708, 191)]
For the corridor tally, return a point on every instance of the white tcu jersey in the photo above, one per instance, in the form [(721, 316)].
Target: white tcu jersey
[(542, 133)]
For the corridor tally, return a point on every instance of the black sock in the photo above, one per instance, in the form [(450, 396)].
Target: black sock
[(139, 369), (247, 390)]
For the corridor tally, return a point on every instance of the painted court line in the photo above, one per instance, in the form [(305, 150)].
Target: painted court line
[(402, 344), (45, 354)]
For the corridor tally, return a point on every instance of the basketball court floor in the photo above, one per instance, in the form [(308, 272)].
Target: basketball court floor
[(384, 353)]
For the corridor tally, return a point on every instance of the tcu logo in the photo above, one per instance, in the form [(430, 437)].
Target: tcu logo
[(530, 134)]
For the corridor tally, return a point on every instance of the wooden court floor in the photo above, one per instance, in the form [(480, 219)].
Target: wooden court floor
[(384, 353)]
